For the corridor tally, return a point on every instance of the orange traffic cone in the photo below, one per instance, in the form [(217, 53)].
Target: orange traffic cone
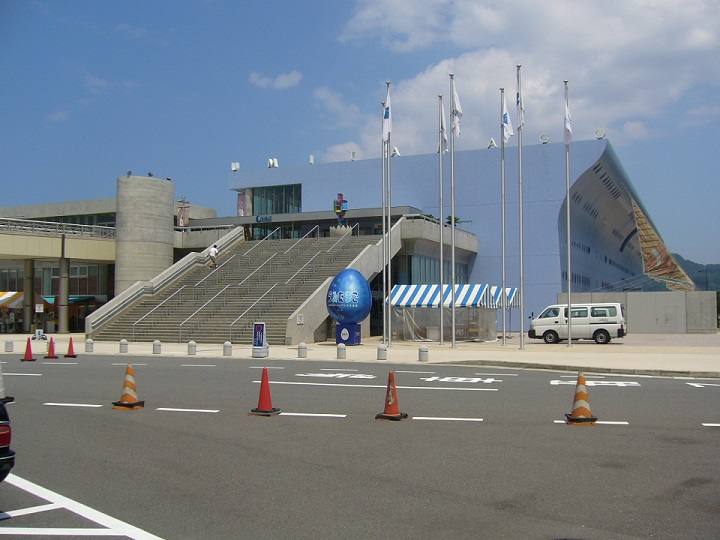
[(28, 353), (71, 350), (129, 398), (581, 414), (392, 410), (51, 350), (264, 407)]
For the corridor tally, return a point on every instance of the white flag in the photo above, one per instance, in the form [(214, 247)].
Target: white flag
[(506, 123), (443, 131), (387, 118), (455, 110), (567, 134)]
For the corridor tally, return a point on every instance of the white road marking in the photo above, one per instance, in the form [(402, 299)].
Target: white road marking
[(599, 383), (266, 367), (187, 410), (72, 405), (28, 511), (604, 422), (448, 419), (113, 527), (198, 365), (701, 385), (27, 531), (23, 374), (711, 425), (382, 386), (126, 363), (323, 415), (60, 363)]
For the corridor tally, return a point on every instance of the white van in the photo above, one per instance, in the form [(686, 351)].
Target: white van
[(600, 322)]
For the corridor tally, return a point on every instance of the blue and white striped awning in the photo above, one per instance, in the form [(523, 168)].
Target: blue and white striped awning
[(429, 295), (477, 295), (512, 297)]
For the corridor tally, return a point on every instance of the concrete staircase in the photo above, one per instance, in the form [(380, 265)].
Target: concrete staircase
[(263, 280)]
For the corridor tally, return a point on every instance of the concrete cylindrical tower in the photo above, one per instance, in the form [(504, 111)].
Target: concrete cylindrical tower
[(144, 231)]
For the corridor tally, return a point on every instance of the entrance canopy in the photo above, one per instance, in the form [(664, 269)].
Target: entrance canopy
[(71, 299), (14, 300), (477, 295)]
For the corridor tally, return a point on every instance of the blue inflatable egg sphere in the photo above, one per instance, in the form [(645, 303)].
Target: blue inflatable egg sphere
[(349, 299)]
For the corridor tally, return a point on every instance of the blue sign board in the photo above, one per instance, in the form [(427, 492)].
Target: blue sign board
[(259, 334)]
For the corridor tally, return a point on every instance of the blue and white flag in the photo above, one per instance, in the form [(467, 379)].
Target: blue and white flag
[(506, 123), (387, 118)]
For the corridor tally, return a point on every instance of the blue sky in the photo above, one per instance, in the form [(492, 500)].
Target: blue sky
[(92, 89)]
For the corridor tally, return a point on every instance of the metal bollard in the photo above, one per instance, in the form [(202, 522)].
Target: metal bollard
[(423, 353), (123, 346), (341, 352), (227, 349), (302, 350), (89, 345), (157, 347), (9, 346), (192, 348), (382, 352)]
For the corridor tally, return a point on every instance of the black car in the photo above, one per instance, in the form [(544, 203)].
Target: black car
[(7, 456)]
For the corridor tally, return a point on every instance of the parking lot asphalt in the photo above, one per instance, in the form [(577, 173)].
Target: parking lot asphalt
[(690, 355)]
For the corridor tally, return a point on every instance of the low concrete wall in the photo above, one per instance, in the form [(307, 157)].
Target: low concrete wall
[(671, 312)]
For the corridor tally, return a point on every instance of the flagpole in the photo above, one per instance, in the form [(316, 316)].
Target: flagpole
[(389, 205), (441, 136), (454, 108), (520, 124), (568, 138), (384, 242), (503, 136)]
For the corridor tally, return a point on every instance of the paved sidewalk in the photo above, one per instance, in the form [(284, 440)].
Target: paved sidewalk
[(689, 355)]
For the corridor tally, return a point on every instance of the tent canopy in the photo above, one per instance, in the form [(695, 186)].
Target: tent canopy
[(477, 295), (71, 299), (14, 300)]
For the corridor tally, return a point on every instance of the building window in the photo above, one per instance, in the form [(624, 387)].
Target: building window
[(277, 200)]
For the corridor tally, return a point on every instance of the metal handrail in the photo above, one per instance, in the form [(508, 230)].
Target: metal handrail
[(215, 269), (302, 267), (343, 236), (303, 238), (248, 309), (258, 268), (53, 227), (200, 308), (153, 309), (261, 241)]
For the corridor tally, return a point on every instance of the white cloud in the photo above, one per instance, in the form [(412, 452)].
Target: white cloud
[(627, 62), (279, 82), (342, 152), (135, 32), (96, 85), (58, 116), (332, 105)]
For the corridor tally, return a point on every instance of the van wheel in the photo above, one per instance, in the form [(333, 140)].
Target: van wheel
[(602, 337), (552, 337)]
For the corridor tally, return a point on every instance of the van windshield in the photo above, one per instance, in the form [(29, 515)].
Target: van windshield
[(550, 312)]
